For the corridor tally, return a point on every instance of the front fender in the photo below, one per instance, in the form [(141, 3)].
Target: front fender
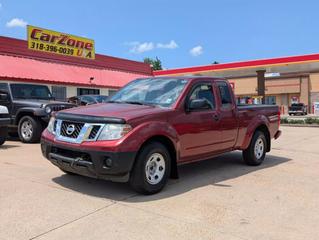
[(256, 122), (39, 112), (140, 134)]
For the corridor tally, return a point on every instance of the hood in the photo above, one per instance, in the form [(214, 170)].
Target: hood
[(116, 110), (39, 103)]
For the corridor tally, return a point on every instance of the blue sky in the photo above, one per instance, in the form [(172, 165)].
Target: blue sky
[(180, 33)]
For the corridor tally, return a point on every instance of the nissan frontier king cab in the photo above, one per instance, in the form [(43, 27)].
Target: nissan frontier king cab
[(153, 125)]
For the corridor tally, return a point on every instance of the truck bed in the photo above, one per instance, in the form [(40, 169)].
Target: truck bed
[(255, 106), (250, 113)]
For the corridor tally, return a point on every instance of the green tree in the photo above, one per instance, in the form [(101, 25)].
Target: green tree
[(155, 64)]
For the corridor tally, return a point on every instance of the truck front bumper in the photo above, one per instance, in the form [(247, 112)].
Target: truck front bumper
[(114, 166)]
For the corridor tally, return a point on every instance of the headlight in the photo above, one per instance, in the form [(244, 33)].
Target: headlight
[(114, 131), (51, 125), (48, 109)]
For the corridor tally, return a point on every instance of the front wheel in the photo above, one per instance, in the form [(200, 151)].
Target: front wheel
[(29, 129), (255, 154), (151, 169)]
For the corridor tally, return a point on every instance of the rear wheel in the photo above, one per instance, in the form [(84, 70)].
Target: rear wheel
[(151, 169), (30, 129), (255, 154)]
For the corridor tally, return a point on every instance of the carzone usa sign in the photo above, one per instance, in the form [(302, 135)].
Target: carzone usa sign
[(44, 40)]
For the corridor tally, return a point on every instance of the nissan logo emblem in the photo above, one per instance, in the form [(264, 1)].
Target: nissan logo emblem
[(70, 129)]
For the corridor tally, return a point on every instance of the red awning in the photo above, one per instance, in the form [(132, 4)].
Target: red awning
[(66, 74)]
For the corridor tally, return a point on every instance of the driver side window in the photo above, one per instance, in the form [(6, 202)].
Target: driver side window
[(203, 91)]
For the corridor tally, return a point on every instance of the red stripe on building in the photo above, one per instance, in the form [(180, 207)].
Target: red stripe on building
[(253, 63)]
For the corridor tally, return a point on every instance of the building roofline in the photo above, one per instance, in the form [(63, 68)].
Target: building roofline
[(241, 64), (18, 48)]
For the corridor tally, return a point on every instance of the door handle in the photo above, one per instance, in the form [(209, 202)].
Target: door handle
[(216, 117)]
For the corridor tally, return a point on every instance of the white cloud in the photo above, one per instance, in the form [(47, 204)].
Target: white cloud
[(196, 51), (171, 45), (16, 22), (0, 5), (138, 47)]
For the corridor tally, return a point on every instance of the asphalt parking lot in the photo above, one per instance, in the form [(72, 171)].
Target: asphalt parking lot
[(216, 199)]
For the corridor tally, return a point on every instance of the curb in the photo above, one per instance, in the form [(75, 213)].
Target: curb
[(300, 125)]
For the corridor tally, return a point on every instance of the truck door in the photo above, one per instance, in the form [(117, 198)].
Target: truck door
[(198, 128), (228, 115)]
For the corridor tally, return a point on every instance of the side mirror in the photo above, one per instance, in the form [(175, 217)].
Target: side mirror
[(4, 96), (198, 104)]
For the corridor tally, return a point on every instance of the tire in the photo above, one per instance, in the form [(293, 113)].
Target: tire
[(29, 129), (151, 169), (2, 140), (254, 157)]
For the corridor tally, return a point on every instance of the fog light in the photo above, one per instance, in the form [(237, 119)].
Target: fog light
[(108, 162)]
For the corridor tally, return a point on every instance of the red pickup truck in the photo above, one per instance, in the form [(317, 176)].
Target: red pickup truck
[(153, 125)]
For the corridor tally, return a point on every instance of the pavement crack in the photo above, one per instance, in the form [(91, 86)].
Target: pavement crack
[(72, 221), (113, 202)]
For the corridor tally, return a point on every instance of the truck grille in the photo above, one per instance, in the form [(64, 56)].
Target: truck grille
[(56, 108), (54, 125), (76, 132), (95, 130), (71, 129)]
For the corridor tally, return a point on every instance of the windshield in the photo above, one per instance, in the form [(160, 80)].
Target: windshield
[(160, 92), (101, 99), (27, 91)]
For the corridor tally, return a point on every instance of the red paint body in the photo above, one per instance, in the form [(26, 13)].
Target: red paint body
[(195, 135)]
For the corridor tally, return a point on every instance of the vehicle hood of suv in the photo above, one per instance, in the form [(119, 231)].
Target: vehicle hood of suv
[(39, 102), (116, 110)]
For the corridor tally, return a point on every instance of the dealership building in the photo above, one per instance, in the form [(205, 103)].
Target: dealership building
[(66, 76), (287, 79)]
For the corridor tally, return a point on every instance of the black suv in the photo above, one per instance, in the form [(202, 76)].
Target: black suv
[(30, 107)]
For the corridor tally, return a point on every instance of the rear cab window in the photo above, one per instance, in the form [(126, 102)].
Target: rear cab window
[(225, 94)]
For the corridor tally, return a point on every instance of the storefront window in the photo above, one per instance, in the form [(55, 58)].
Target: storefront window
[(112, 92), (270, 100), (59, 93), (88, 91)]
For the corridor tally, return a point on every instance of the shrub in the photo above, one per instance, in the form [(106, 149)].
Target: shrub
[(312, 120), (309, 120), (296, 121)]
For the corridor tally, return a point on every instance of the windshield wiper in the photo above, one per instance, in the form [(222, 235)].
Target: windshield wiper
[(128, 102), (134, 102), (113, 102)]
